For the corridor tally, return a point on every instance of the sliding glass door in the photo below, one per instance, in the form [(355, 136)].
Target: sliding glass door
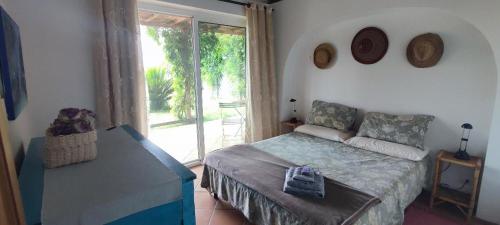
[(223, 75), (167, 49), (195, 72)]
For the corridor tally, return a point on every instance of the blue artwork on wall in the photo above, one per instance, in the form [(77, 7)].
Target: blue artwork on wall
[(11, 66)]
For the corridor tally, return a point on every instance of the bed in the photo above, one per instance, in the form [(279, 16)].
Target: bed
[(395, 181)]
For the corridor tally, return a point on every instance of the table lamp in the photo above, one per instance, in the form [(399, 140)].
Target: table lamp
[(462, 151), (294, 111)]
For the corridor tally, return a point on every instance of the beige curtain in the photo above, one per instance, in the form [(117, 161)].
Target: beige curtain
[(120, 83), (262, 85)]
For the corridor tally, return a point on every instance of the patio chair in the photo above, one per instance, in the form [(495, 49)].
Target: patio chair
[(236, 120)]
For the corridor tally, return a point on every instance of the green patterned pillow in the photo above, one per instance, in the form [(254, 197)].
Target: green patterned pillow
[(332, 115), (403, 129)]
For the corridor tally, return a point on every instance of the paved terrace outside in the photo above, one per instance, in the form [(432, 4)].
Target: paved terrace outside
[(181, 141)]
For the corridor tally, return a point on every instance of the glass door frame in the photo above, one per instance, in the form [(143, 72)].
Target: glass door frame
[(197, 15)]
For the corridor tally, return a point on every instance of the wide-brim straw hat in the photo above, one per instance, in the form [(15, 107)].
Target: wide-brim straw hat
[(369, 45), (425, 50), (324, 55)]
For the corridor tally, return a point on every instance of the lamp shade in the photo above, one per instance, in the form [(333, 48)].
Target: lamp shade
[(467, 126)]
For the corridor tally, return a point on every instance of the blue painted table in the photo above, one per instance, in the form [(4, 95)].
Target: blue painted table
[(173, 213)]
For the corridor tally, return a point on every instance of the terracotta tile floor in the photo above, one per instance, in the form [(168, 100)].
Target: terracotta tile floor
[(213, 212)]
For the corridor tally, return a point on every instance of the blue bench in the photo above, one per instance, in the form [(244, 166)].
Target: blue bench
[(173, 213)]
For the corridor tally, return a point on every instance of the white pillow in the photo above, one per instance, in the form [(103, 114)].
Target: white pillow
[(324, 132), (388, 148)]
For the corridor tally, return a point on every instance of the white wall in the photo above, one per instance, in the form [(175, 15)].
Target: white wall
[(489, 200), (57, 49), (300, 25)]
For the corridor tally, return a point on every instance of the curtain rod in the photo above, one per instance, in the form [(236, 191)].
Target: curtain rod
[(238, 3), (235, 2)]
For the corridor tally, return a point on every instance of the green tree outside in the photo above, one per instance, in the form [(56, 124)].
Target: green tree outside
[(220, 55), (159, 89), (177, 45)]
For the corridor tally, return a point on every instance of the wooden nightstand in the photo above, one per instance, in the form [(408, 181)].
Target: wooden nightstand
[(287, 126), (463, 201)]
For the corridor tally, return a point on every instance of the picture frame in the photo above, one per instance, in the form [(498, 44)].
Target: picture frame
[(11, 66)]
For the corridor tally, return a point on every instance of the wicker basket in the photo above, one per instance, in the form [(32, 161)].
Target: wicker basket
[(69, 149)]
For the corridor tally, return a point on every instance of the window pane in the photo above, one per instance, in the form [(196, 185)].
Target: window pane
[(223, 75), (167, 51)]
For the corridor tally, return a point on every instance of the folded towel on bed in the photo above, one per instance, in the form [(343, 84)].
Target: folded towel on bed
[(317, 185), (297, 175), (307, 171), (292, 187)]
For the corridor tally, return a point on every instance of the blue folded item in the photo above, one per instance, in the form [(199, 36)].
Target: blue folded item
[(307, 171), (317, 185), (287, 188), (297, 175)]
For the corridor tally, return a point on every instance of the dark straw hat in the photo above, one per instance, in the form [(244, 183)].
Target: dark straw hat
[(369, 45), (324, 55), (425, 50)]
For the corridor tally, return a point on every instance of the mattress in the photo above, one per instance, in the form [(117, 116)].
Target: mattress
[(397, 182)]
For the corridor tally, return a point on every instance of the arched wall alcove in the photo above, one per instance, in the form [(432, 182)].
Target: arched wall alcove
[(460, 88)]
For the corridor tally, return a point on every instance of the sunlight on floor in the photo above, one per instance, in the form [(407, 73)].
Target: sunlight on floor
[(181, 143)]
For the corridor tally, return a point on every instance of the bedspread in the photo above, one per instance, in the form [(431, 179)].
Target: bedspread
[(397, 182)]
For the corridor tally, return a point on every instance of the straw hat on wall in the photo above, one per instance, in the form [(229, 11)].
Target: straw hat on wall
[(369, 45), (324, 55), (425, 50)]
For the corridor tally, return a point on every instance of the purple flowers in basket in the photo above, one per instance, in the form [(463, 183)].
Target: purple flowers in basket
[(72, 121)]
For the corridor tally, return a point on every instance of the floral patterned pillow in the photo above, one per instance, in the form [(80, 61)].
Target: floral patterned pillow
[(403, 129), (332, 115)]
